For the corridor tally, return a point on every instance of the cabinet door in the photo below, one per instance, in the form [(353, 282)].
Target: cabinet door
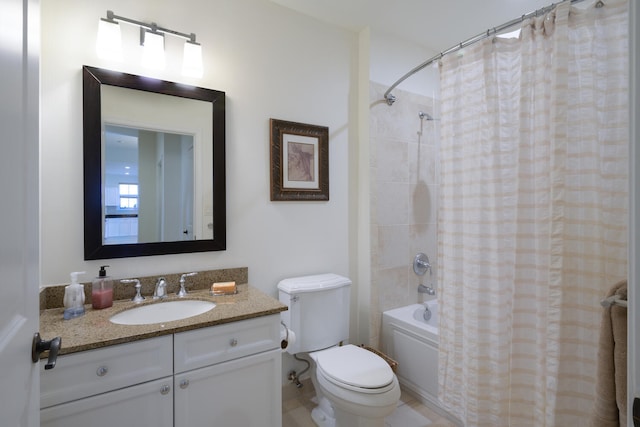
[(242, 392), (111, 196), (108, 228), (148, 404)]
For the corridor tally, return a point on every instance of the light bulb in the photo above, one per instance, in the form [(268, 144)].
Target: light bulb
[(153, 50), (192, 60), (109, 40)]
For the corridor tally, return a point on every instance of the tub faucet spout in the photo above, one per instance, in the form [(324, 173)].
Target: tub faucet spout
[(422, 289)]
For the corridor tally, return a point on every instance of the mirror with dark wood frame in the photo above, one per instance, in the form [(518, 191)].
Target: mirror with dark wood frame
[(202, 226)]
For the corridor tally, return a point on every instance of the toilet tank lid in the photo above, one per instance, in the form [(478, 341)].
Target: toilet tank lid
[(313, 283)]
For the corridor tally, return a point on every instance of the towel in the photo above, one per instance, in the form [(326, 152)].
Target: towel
[(610, 405)]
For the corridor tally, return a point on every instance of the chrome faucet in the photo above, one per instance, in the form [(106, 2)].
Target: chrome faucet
[(138, 298), (422, 289), (161, 289), (421, 264), (183, 292), (424, 264)]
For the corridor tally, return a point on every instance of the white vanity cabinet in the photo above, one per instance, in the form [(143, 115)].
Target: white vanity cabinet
[(223, 375), (229, 375)]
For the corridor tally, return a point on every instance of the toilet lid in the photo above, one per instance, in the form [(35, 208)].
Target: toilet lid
[(355, 366)]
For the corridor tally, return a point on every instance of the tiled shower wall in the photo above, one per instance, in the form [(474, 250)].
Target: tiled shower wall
[(404, 189)]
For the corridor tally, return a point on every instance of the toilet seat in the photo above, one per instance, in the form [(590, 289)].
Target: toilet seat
[(355, 368)]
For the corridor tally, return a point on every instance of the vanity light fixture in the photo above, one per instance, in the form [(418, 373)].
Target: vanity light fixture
[(109, 44)]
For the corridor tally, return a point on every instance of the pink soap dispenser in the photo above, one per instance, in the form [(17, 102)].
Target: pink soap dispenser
[(102, 290)]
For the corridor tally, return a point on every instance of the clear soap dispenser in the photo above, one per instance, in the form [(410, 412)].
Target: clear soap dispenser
[(74, 297), (102, 290)]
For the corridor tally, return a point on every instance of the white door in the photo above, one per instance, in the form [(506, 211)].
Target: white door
[(19, 226)]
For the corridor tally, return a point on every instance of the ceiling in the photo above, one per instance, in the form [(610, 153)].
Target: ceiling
[(433, 24)]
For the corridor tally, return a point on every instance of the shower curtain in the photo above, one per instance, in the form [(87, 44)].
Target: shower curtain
[(532, 227)]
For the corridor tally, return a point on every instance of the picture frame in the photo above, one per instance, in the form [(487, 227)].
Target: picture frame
[(299, 161)]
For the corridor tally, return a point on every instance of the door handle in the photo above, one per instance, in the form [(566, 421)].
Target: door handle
[(39, 345)]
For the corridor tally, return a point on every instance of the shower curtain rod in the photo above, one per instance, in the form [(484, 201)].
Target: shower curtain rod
[(390, 99)]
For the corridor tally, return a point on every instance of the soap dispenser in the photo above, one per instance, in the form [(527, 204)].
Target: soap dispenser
[(74, 297), (102, 290)]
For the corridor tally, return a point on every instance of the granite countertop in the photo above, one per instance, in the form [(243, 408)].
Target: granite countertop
[(94, 330)]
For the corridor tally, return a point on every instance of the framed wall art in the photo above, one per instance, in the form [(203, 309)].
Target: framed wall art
[(299, 161)]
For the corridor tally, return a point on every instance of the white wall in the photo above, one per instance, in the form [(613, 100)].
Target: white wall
[(272, 63), (392, 58)]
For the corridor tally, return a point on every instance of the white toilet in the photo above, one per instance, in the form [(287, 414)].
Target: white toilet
[(354, 387)]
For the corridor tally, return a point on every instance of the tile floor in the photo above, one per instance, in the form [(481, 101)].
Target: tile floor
[(297, 406)]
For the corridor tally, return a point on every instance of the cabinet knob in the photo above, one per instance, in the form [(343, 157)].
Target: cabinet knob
[(233, 342), (102, 371), (165, 389), (184, 384)]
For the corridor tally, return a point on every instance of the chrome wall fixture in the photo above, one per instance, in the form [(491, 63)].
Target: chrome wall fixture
[(109, 44)]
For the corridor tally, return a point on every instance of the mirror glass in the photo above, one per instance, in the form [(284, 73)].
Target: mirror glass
[(149, 183), (154, 166)]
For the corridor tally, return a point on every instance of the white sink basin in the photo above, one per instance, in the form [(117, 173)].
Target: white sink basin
[(162, 312)]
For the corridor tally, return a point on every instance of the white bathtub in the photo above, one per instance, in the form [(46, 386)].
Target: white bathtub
[(413, 343)]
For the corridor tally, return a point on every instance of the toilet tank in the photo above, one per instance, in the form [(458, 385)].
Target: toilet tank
[(318, 310)]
